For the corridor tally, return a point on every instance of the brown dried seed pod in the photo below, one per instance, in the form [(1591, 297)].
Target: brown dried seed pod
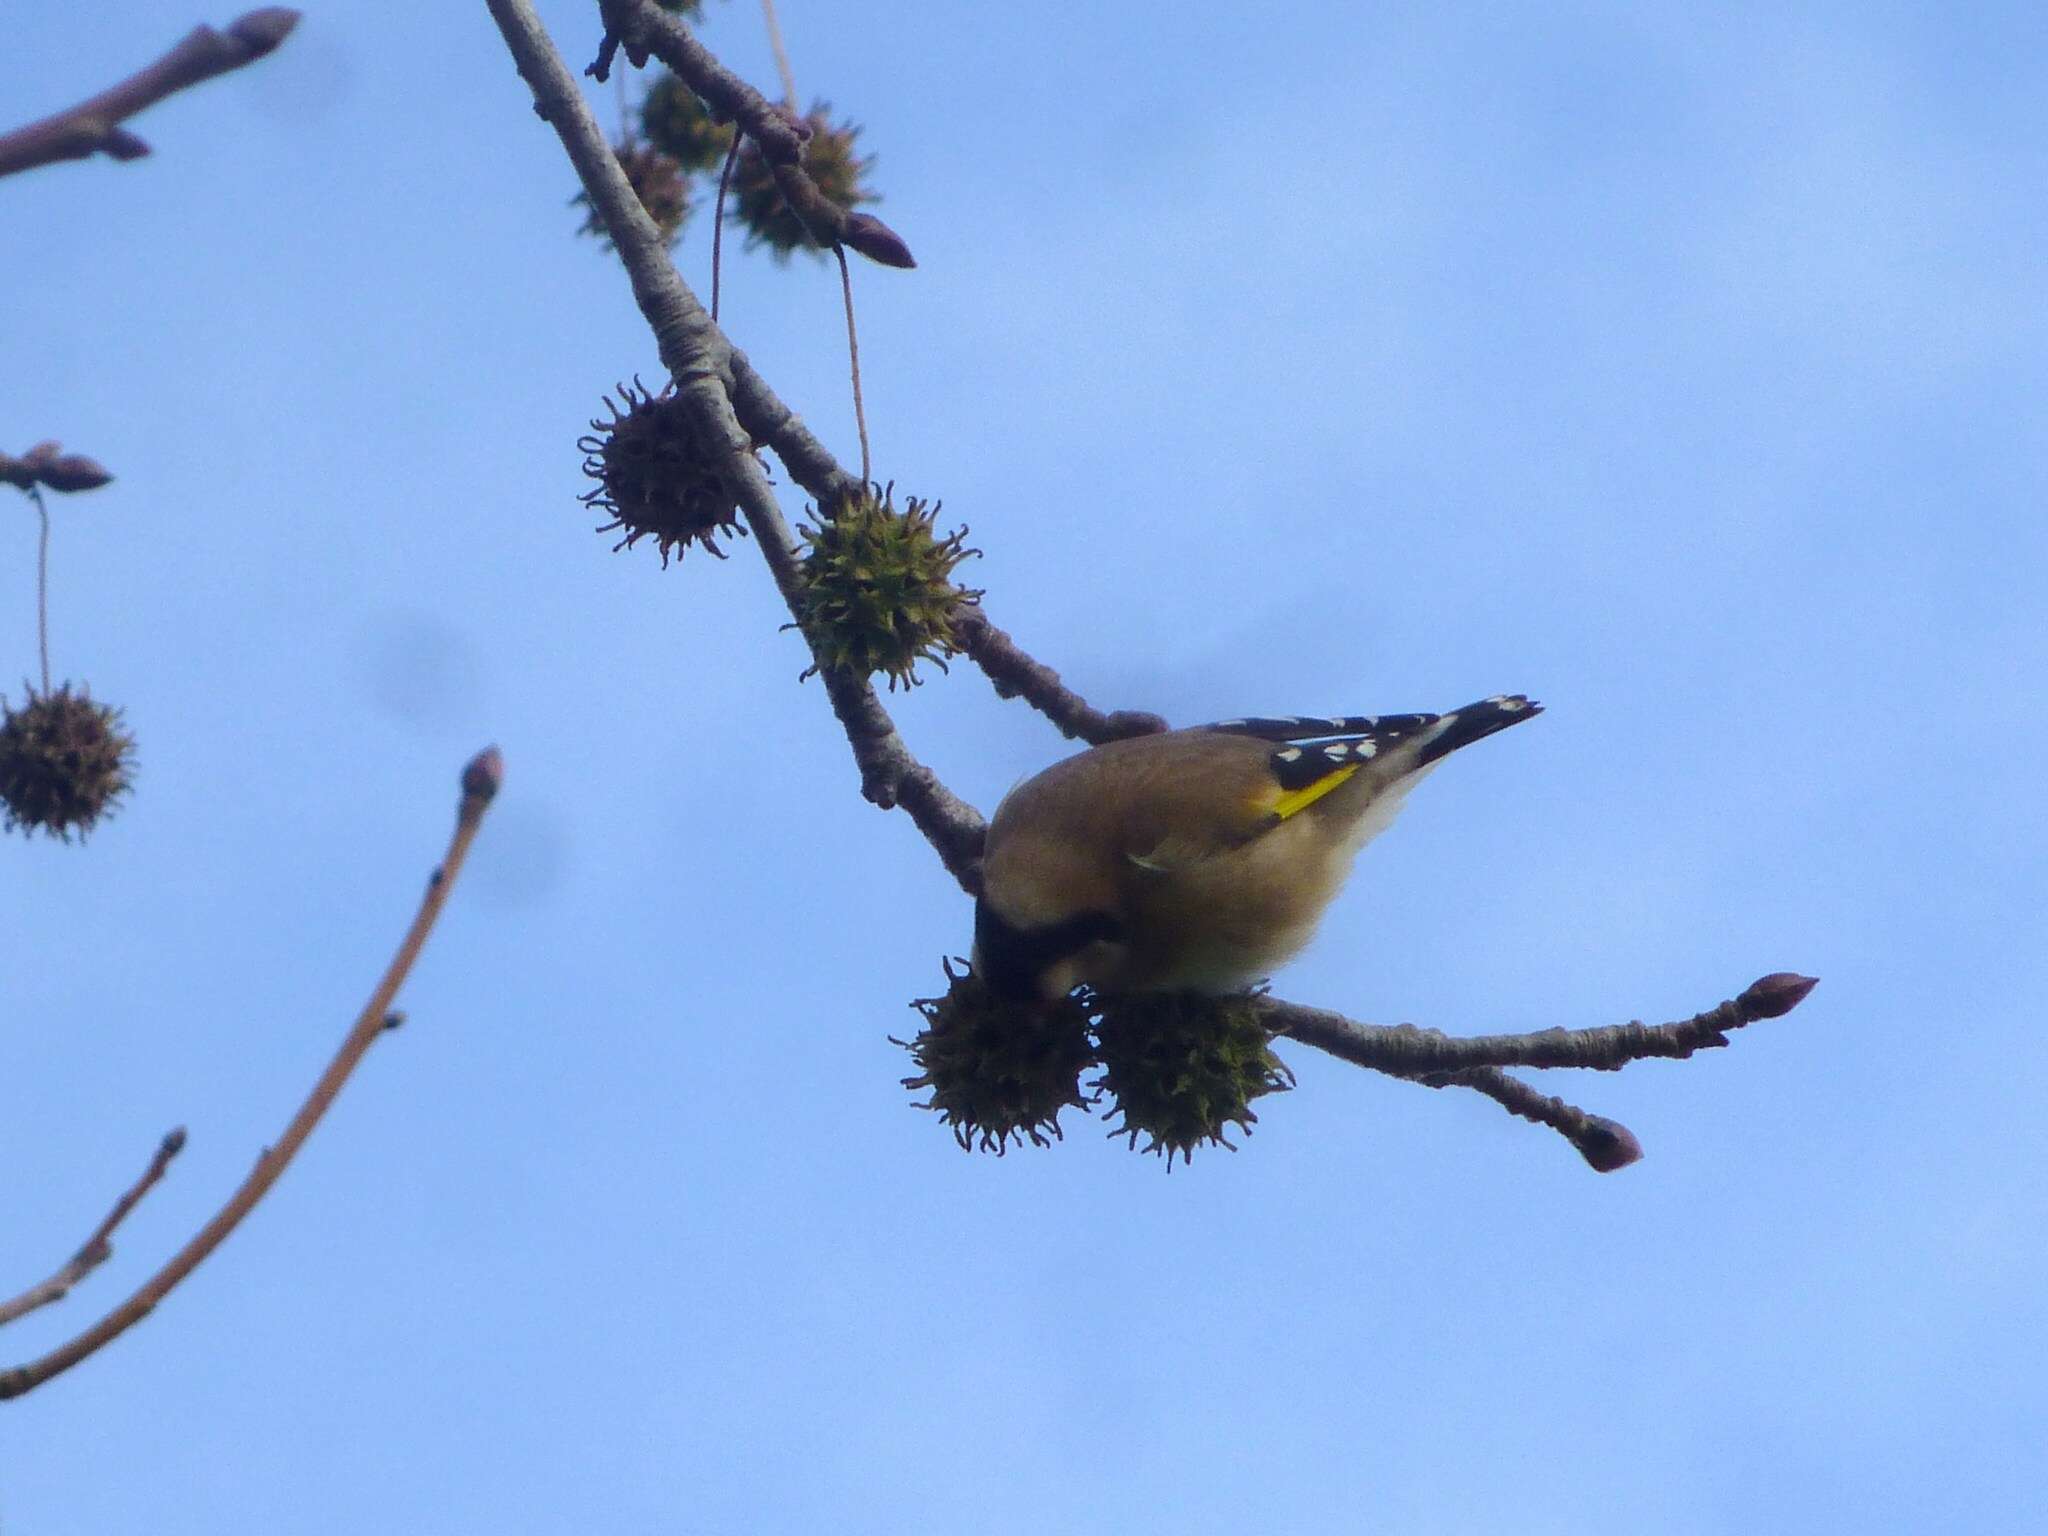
[(64, 762)]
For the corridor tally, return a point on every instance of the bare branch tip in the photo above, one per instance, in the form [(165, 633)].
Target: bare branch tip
[(263, 29), (877, 241), (1607, 1145), (48, 465), (1776, 995), (484, 775)]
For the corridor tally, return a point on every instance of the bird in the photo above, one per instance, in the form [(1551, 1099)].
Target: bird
[(1196, 860)]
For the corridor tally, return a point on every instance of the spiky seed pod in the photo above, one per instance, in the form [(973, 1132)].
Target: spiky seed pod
[(657, 180), (678, 124), (829, 157), (878, 590), (64, 761), (997, 1072), (654, 476), (1182, 1067)]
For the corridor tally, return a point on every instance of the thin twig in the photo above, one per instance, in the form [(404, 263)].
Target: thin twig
[(35, 494), (646, 31), (99, 1247), (94, 126), (1437, 1060), (480, 781), (781, 54), (704, 366), (860, 415), (1018, 675), (1606, 1145), (1407, 1051)]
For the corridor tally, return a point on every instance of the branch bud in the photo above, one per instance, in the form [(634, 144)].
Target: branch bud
[(1776, 994), (1607, 1145), (877, 241), (73, 472), (262, 30), (484, 775)]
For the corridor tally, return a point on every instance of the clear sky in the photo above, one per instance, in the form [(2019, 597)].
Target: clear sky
[(1681, 366)]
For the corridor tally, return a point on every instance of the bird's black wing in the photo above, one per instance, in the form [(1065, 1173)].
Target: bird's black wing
[(1312, 748)]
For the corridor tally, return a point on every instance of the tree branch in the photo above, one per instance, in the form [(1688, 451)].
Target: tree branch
[(480, 781), (98, 1248), (1406, 1051), (645, 30), (710, 376), (1018, 675), (1606, 1145), (94, 126), (1437, 1060), (734, 408)]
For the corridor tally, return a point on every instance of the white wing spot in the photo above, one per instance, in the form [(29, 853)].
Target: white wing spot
[(1226, 725), (1336, 751), (1289, 755), (1368, 748)]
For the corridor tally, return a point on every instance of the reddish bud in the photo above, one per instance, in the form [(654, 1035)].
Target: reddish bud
[(1607, 1145), (877, 241), (261, 31), (1776, 994), (72, 472), (48, 464), (483, 775)]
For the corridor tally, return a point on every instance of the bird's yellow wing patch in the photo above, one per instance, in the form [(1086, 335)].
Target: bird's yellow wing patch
[(1295, 800)]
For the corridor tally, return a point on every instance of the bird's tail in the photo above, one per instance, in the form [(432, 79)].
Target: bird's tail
[(1462, 727)]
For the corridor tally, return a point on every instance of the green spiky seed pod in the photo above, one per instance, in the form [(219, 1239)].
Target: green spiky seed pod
[(997, 1072), (654, 476), (878, 592), (64, 761), (678, 124), (1182, 1067), (657, 180), (833, 164)]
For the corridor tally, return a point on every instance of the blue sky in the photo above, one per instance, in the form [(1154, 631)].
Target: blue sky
[(1681, 367)]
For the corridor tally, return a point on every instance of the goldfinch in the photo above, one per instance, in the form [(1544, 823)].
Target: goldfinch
[(1200, 859)]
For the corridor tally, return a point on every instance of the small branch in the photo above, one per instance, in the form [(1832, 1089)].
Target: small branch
[(480, 781), (1436, 1060), (704, 366), (1406, 1051), (1607, 1145), (47, 464), (646, 31), (98, 1248), (94, 126), (1017, 675)]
